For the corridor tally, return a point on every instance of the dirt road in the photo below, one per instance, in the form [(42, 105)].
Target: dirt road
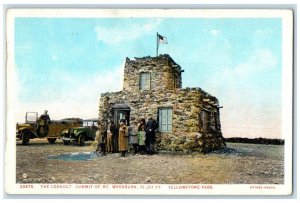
[(238, 164)]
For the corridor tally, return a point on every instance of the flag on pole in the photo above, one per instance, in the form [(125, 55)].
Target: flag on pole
[(162, 39)]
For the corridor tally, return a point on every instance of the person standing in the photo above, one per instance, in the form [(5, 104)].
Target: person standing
[(123, 138), (102, 137), (45, 117), (43, 124), (141, 136), (115, 139), (150, 128), (110, 133), (133, 132), (97, 139)]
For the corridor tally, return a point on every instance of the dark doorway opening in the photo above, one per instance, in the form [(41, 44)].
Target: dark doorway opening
[(121, 114)]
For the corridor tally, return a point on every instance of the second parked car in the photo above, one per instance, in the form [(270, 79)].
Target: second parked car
[(81, 134)]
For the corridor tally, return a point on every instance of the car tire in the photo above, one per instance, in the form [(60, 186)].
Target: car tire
[(66, 142), (25, 137), (42, 130), (51, 140), (81, 139)]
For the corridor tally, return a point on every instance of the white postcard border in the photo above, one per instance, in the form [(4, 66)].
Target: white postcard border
[(241, 189)]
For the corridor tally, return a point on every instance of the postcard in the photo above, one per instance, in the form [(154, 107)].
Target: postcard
[(149, 101)]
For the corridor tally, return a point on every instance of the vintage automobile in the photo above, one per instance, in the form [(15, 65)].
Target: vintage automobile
[(81, 134), (34, 127)]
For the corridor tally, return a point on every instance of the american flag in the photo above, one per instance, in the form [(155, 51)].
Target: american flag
[(162, 39)]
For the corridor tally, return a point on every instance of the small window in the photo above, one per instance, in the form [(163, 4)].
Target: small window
[(165, 119), (145, 81)]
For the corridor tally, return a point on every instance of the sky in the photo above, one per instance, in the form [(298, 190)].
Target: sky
[(64, 64)]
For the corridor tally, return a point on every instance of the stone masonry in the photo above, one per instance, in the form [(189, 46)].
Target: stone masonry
[(193, 118)]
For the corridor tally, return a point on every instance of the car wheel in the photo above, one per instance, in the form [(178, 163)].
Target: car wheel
[(51, 140), (25, 138), (66, 142), (42, 130), (81, 139)]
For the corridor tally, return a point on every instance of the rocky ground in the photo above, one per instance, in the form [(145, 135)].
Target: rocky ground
[(237, 164)]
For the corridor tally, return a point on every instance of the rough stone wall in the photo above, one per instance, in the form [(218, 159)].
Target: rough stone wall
[(165, 73), (188, 133), (196, 124)]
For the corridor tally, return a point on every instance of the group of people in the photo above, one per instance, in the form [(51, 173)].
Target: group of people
[(140, 135)]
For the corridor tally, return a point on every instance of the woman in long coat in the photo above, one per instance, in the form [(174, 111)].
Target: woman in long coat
[(123, 138), (133, 136)]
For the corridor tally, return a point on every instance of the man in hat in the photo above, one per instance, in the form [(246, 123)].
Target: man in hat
[(43, 124), (101, 136), (45, 117), (150, 128), (110, 134)]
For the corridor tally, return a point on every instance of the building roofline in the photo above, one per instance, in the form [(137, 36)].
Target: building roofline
[(166, 57)]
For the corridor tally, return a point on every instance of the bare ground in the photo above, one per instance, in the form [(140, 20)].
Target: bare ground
[(238, 164)]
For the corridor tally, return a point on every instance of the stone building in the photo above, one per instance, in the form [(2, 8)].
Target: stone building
[(188, 118)]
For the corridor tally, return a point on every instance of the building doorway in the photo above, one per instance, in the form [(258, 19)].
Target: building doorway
[(120, 112)]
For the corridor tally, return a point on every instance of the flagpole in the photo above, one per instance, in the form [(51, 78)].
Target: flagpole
[(157, 44)]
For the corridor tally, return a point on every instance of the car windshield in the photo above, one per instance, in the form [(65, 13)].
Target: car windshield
[(31, 117), (89, 123)]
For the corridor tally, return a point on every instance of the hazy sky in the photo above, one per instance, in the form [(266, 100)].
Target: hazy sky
[(64, 64)]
